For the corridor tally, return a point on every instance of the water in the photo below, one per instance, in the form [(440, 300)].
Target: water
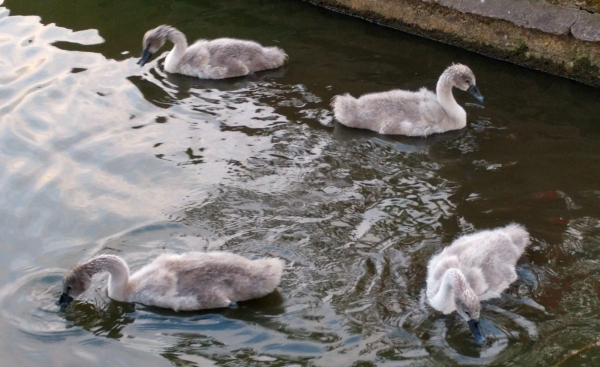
[(102, 156)]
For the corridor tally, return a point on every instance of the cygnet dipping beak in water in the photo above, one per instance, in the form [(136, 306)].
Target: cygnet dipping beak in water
[(475, 268), (189, 281), (210, 59)]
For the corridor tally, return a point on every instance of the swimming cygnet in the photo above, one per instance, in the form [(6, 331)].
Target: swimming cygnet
[(474, 268), (189, 281), (401, 112), (211, 59)]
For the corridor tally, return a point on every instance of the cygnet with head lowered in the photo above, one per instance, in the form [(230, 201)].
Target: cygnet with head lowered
[(474, 268), (189, 281), (401, 112), (210, 59)]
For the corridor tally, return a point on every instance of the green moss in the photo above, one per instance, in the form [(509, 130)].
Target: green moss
[(583, 66), (522, 48), (583, 70)]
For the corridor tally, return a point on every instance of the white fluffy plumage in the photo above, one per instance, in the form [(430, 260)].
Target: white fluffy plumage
[(211, 59), (189, 281), (401, 112), (474, 268)]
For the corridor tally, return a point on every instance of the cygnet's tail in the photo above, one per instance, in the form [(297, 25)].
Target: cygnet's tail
[(345, 109), (518, 234), (273, 57)]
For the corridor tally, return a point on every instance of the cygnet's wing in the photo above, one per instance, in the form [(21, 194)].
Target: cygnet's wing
[(196, 56), (399, 112), (217, 277), (489, 257), (226, 51), (156, 285), (229, 57)]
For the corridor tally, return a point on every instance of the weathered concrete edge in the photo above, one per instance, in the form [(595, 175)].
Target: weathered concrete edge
[(536, 14), (559, 54)]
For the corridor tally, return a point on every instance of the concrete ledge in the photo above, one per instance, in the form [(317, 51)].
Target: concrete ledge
[(587, 27), (530, 14), (560, 39), (534, 14)]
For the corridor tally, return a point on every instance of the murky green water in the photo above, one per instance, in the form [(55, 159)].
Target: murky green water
[(101, 156)]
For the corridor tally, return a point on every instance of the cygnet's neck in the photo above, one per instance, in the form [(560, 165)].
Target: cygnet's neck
[(453, 283), (448, 103), (175, 55), (118, 280)]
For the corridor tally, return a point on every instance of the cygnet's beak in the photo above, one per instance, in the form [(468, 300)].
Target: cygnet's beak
[(475, 93), (64, 300), (146, 55), (476, 330)]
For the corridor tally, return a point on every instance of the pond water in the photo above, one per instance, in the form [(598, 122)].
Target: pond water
[(102, 156)]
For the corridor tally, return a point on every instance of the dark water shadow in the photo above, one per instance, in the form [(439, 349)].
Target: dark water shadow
[(271, 304), (399, 143), (186, 83), (110, 318)]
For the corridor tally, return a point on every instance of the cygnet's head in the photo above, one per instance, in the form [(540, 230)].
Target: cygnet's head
[(469, 308), (76, 281), (461, 77), (153, 40)]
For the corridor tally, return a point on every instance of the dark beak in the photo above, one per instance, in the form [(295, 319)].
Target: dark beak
[(476, 330), (146, 55), (474, 92), (64, 300)]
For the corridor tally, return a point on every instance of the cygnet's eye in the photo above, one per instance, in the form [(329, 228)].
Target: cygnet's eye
[(69, 289), (468, 314), (467, 81)]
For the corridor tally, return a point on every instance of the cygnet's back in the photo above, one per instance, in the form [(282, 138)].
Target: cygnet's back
[(487, 259), (197, 280), (230, 57)]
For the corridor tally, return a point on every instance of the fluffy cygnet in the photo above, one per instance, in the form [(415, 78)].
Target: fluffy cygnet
[(474, 268), (401, 112), (189, 281), (211, 59)]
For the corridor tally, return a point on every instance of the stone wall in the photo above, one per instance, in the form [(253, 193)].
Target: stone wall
[(557, 36)]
